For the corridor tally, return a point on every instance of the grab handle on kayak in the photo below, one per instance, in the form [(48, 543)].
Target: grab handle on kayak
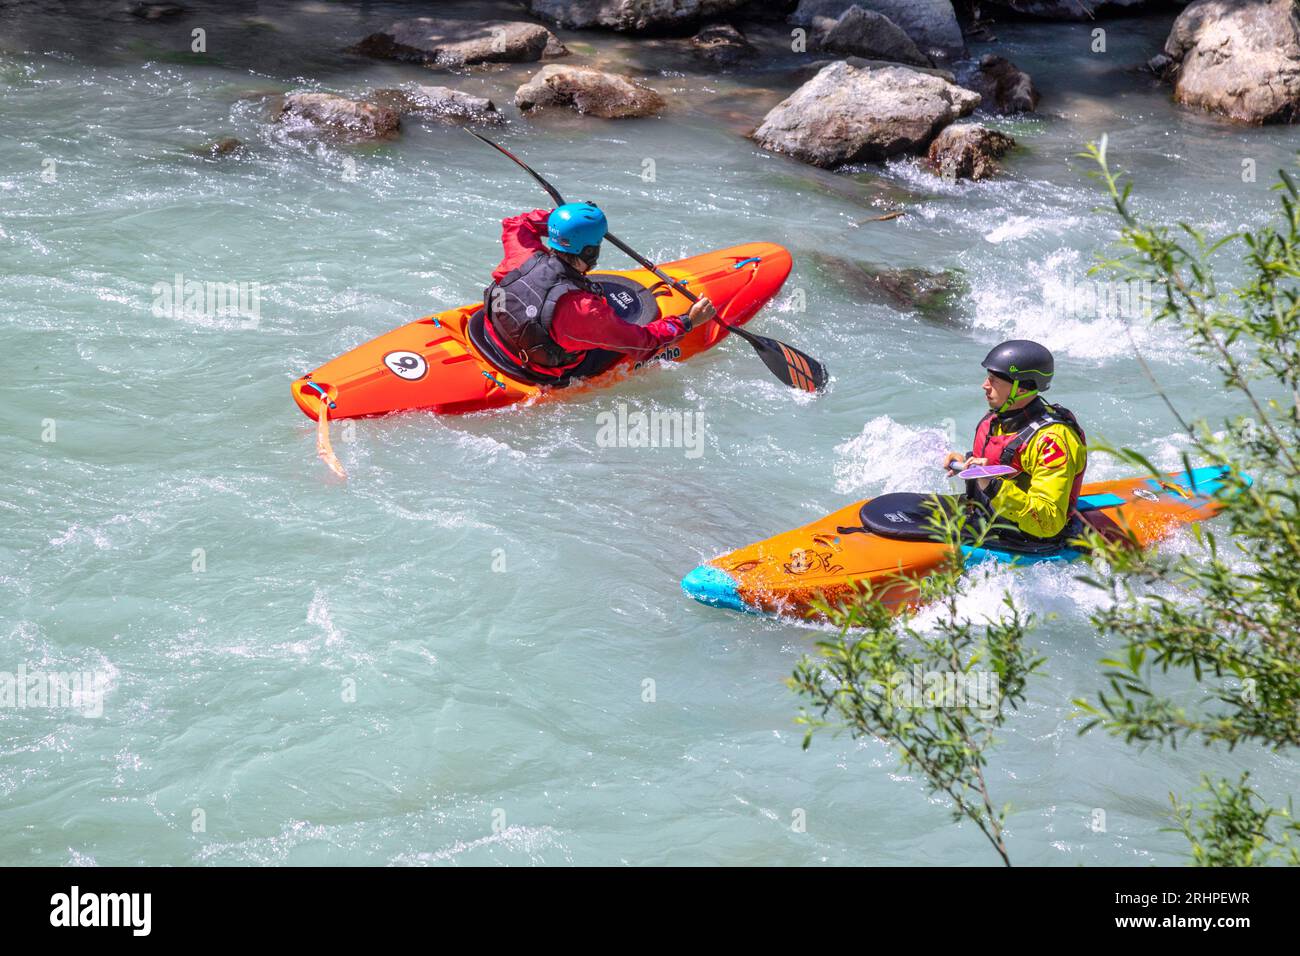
[(324, 395), (745, 262)]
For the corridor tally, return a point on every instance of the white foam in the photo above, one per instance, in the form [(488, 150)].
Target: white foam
[(889, 457), (1027, 312)]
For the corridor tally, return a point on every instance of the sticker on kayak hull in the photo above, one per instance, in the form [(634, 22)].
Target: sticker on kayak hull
[(1148, 495), (410, 366), (670, 354)]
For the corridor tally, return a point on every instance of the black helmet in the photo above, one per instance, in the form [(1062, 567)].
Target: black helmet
[(1025, 363)]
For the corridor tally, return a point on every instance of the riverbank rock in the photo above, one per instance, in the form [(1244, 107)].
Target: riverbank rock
[(1005, 87), (931, 24), (354, 118), (631, 15), (1240, 58), (454, 43), (722, 44), (865, 33), (845, 114), (967, 151), (440, 103), (606, 95)]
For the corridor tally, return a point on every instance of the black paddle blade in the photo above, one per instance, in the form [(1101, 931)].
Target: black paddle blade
[(794, 368)]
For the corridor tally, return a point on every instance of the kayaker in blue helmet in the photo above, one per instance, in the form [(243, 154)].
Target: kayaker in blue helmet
[(1043, 442), (543, 311)]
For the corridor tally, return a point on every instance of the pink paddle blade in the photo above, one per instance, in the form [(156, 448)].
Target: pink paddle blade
[(987, 471)]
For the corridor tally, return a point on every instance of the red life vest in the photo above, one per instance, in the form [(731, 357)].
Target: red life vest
[(1022, 426)]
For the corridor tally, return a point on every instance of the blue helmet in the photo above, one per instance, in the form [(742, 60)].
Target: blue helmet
[(578, 229)]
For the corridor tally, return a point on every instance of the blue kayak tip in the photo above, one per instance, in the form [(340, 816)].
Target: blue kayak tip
[(714, 587)]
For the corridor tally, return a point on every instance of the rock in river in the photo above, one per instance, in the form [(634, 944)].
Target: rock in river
[(847, 114)]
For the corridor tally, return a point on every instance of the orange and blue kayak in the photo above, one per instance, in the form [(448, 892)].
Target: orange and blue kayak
[(832, 557), (445, 363)]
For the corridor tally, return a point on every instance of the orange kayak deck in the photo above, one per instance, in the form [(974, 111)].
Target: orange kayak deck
[(786, 573), (432, 364)]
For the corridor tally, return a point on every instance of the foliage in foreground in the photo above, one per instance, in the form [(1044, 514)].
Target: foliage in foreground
[(1227, 614)]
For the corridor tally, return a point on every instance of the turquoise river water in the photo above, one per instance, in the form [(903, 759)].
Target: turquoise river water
[(446, 658)]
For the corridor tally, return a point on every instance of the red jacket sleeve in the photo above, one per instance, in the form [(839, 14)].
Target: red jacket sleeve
[(521, 236), (584, 321)]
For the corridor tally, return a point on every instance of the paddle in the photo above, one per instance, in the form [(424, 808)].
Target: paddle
[(793, 367)]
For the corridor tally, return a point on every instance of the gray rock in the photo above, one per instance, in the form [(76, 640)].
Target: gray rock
[(967, 151), (845, 114), (1004, 86), (1240, 58), (606, 95), (354, 118), (723, 44), (932, 24), (453, 43), (865, 33), (631, 14)]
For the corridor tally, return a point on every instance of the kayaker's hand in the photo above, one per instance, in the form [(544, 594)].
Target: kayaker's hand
[(701, 311), (954, 459), (973, 461)]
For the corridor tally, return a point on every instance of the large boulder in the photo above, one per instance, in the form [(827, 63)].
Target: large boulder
[(1004, 86), (932, 24), (606, 95), (631, 15), (453, 43), (866, 33), (848, 114), (354, 119), (967, 151), (1240, 58)]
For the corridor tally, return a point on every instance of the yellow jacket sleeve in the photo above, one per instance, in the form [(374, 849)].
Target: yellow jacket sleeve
[(1051, 461)]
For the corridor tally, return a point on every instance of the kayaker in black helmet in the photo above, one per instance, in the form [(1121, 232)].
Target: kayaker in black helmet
[(1045, 443)]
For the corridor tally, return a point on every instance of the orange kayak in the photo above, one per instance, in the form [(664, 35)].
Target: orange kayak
[(829, 557), (443, 363)]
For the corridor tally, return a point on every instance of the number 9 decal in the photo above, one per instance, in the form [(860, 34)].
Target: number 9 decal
[(410, 366)]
